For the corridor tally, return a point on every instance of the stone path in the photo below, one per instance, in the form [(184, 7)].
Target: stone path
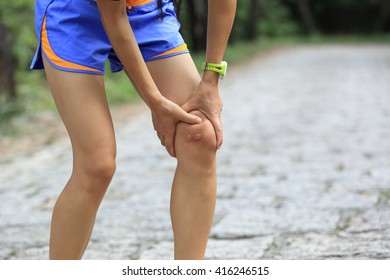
[(304, 172)]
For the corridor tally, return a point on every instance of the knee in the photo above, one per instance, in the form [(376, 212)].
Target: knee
[(102, 169), (95, 172), (195, 142)]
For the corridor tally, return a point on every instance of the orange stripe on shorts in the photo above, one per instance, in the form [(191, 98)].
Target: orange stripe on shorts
[(175, 50), (58, 60), (130, 3)]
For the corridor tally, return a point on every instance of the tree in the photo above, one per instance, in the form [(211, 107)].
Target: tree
[(383, 20), (8, 63), (306, 15), (252, 30), (16, 45), (197, 13)]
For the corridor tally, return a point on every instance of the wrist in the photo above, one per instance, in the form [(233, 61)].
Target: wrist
[(210, 77), (154, 100)]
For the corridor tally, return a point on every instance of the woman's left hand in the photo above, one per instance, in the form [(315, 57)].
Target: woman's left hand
[(205, 98)]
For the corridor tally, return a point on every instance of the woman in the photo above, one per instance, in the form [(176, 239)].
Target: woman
[(75, 39)]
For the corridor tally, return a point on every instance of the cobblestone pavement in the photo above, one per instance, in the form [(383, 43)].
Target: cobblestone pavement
[(304, 172)]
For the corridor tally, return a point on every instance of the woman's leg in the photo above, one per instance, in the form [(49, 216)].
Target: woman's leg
[(194, 186), (82, 104)]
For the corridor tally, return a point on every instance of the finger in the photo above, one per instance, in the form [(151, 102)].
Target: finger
[(218, 131), (187, 107), (162, 140), (154, 123), (169, 145), (190, 118)]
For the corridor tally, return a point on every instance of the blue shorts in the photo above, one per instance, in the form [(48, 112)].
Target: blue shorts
[(72, 38)]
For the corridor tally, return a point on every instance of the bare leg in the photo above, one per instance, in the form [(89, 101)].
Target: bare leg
[(194, 186), (82, 104)]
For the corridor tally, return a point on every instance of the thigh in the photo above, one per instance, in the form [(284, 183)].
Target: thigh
[(175, 77), (82, 105)]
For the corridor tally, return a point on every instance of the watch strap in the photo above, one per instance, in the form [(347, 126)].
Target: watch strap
[(218, 68)]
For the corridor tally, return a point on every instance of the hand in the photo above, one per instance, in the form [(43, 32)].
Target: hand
[(205, 98), (165, 116)]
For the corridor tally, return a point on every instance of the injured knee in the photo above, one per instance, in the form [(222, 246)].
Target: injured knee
[(202, 134), (194, 137)]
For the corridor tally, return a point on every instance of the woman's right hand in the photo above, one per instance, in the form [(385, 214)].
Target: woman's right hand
[(165, 115)]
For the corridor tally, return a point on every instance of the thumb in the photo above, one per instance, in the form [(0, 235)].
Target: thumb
[(187, 107), (189, 118)]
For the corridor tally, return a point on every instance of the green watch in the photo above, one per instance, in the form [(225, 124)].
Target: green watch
[(218, 68)]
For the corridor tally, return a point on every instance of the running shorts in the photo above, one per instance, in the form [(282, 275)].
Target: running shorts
[(72, 38)]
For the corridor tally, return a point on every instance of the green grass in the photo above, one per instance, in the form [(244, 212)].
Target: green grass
[(34, 94), (119, 89)]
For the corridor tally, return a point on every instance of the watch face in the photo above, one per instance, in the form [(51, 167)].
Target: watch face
[(224, 66)]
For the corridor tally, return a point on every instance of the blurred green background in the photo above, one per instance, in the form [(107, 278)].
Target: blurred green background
[(259, 25)]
